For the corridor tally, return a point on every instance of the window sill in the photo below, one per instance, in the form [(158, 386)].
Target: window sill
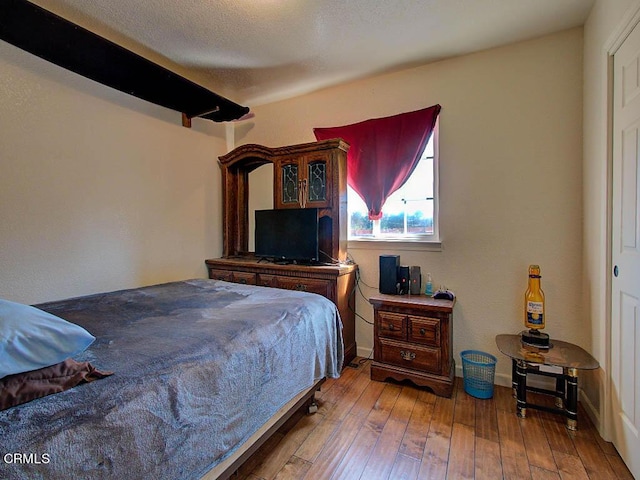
[(397, 243)]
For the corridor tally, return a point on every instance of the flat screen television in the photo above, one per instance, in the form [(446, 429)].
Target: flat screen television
[(287, 235)]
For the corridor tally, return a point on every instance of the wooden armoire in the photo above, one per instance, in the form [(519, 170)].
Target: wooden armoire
[(309, 175)]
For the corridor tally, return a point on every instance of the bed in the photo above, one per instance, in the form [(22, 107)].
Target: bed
[(203, 371)]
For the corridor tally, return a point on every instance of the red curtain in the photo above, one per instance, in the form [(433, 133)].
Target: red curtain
[(383, 152)]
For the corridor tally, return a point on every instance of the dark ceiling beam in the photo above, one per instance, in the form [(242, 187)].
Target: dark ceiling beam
[(75, 48)]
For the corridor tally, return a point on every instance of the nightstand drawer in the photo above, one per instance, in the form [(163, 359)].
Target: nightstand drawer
[(391, 325), (410, 355), (424, 330)]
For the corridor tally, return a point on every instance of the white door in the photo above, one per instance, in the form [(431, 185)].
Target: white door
[(625, 250)]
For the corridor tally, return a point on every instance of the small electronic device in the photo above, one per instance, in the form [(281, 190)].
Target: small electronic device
[(415, 279), (444, 294), (389, 274), (403, 280)]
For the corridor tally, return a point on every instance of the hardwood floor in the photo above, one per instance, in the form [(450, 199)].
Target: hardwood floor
[(371, 430)]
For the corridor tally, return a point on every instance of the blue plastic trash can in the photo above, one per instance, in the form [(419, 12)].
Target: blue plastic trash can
[(478, 370)]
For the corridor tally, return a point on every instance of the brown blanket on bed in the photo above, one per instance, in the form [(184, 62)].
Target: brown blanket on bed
[(24, 387)]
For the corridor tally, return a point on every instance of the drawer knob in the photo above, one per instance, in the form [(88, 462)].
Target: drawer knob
[(243, 281), (301, 287), (391, 327), (422, 331), (407, 355)]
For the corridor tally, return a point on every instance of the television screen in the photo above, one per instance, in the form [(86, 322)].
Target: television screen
[(287, 234)]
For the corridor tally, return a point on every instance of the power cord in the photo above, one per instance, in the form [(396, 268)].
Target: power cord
[(362, 361), (352, 297)]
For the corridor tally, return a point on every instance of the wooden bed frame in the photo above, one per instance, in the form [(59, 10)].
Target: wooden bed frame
[(230, 465)]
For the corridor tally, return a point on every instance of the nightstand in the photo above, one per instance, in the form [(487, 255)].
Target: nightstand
[(413, 341)]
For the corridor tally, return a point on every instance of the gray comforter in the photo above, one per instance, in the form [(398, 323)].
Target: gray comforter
[(199, 366)]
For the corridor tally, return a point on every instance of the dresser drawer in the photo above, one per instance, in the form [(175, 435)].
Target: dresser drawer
[(391, 325), (225, 275), (266, 280), (424, 330), (412, 356), (246, 278), (313, 285)]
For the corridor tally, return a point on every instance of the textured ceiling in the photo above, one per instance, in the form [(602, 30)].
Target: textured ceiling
[(257, 51)]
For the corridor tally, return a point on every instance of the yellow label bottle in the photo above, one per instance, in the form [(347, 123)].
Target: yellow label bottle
[(534, 316)]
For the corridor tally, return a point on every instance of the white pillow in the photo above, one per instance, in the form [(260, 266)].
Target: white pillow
[(31, 338)]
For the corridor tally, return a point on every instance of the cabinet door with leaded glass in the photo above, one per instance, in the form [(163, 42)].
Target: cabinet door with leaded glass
[(287, 183), (302, 182), (317, 182)]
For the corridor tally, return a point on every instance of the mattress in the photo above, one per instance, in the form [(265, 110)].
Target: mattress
[(199, 366)]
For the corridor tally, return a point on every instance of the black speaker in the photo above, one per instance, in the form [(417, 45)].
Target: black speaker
[(403, 280), (416, 280), (389, 273)]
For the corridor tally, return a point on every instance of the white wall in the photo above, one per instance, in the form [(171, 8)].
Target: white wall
[(605, 18), (98, 190), (510, 176)]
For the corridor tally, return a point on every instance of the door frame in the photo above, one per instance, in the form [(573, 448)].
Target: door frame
[(630, 20)]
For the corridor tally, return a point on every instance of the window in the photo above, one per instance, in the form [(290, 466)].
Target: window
[(410, 213)]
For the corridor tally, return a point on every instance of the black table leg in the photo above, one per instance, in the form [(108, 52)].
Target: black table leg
[(514, 378), (572, 398), (521, 388)]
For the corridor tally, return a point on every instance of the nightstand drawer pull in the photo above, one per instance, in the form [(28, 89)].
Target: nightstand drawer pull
[(423, 331), (391, 327), (407, 355), (301, 287)]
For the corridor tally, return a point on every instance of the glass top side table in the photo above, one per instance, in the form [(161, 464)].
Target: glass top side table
[(539, 361)]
